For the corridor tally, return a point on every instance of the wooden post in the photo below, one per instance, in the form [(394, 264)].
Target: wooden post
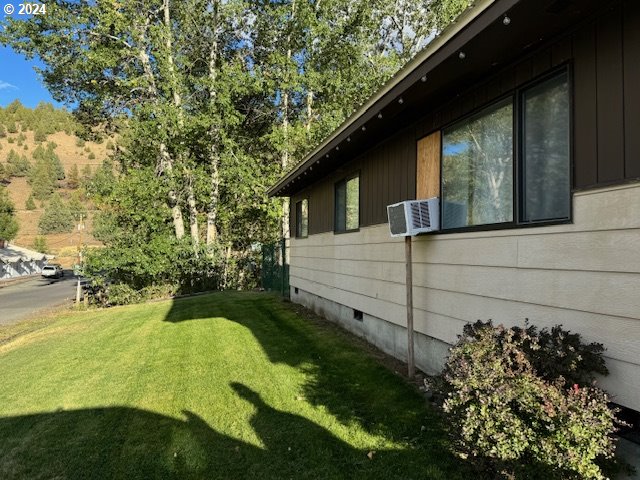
[(409, 286)]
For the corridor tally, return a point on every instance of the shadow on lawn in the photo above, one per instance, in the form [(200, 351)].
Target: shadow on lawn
[(342, 377), (129, 443)]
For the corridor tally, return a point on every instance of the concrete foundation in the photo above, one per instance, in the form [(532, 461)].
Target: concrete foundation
[(430, 353)]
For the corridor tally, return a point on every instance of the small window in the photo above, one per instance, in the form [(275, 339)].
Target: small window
[(477, 169), (302, 218), (347, 204), (546, 185), (358, 315)]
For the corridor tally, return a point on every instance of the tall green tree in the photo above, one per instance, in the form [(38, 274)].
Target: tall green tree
[(8, 221), (215, 99), (57, 218), (73, 177), (17, 165)]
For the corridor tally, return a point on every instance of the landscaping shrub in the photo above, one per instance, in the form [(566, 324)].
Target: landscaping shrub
[(102, 294), (522, 403), (122, 294)]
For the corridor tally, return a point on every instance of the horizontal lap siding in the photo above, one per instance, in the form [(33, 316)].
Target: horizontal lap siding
[(585, 276)]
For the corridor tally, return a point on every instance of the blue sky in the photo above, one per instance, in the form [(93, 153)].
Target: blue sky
[(19, 80)]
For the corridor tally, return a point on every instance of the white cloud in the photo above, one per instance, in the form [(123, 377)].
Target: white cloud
[(4, 85)]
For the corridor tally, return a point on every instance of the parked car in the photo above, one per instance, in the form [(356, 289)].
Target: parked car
[(52, 270)]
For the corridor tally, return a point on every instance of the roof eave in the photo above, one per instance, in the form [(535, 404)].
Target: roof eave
[(470, 14)]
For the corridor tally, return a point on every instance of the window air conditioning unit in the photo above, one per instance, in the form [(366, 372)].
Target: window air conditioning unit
[(414, 216)]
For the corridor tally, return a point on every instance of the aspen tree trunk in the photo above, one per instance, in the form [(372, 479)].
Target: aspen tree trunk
[(285, 130), (165, 162), (177, 101), (214, 154), (309, 111)]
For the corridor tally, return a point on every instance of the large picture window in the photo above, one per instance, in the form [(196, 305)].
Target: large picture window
[(482, 184), (347, 204), (477, 169), (302, 218)]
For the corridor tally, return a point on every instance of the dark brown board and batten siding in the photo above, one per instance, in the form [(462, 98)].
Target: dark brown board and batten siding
[(387, 175), (604, 56)]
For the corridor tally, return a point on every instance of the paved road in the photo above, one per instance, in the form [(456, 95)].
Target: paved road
[(24, 299)]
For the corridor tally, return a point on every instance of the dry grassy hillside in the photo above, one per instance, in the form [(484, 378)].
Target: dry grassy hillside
[(63, 245)]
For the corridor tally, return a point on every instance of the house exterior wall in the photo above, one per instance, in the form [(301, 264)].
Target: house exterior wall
[(584, 274)]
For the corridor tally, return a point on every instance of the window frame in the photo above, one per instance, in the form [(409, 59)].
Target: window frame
[(298, 225), (517, 95), (344, 181), (476, 113), (520, 123)]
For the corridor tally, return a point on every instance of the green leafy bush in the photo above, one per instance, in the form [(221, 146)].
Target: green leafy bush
[(558, 353), (122, 294), (514, 410)]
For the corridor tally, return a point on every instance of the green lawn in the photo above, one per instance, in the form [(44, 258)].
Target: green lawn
[(227, 385)]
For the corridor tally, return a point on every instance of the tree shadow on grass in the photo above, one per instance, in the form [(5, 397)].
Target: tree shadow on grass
[(129, 443), (341, 376)]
